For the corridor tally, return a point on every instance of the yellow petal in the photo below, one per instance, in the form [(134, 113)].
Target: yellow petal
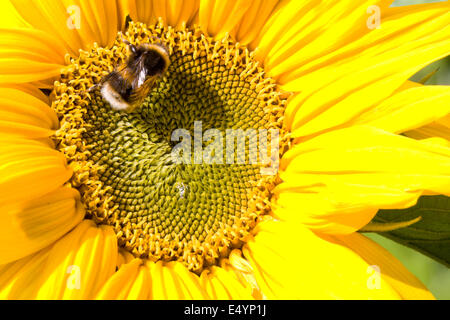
[(29, 169), (29, 226), (123, 10), (79, 264), (292, 262), (408, 85), (9, 17), (410, 29), (218, 17), (337, 181), (439, 128), (98, 21), (25, 115), (139, 10), (175, 12), (398, 277), (30, 89), (124, 257), (142, 279), (21, 280), (253, 21), (356, 78), (141, 286), (28, 55), (125, 281), (409, 109), (75, 267), (172, 12), (172, 281), (244, 273), (223, 284), (303, 29), (76, 24)]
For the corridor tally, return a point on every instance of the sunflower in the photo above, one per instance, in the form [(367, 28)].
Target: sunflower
[(93, 208)]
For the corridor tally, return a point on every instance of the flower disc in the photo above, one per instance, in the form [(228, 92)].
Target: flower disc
[(194, 211)]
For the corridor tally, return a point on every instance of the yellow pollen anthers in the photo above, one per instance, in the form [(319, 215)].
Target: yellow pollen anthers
[(163, 210)]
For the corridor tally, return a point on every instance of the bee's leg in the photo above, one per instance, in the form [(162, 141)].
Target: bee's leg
[(95, 86)]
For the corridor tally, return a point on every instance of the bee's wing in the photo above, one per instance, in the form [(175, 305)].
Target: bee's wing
[(139, 74)]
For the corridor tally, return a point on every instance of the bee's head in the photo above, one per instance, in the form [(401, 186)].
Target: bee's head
[(155, 57)]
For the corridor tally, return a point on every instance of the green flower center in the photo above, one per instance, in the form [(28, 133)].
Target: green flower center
[(195, 211)]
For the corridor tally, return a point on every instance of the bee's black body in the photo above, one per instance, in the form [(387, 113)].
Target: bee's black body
[(128, 85)]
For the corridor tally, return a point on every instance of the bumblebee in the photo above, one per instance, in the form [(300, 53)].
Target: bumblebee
[(126, 87)]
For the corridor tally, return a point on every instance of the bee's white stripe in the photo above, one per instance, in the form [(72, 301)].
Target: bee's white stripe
[(141, 77), (113, 98)]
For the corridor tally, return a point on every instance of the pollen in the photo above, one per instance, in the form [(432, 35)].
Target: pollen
[(161, 209)]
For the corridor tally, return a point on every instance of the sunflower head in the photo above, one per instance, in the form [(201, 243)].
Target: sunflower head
[(194, 212)]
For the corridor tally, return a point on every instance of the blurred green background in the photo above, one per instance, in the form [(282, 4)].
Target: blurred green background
[(433, 274)]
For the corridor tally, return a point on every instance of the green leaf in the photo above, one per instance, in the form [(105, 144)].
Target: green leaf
[(431, 235)]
